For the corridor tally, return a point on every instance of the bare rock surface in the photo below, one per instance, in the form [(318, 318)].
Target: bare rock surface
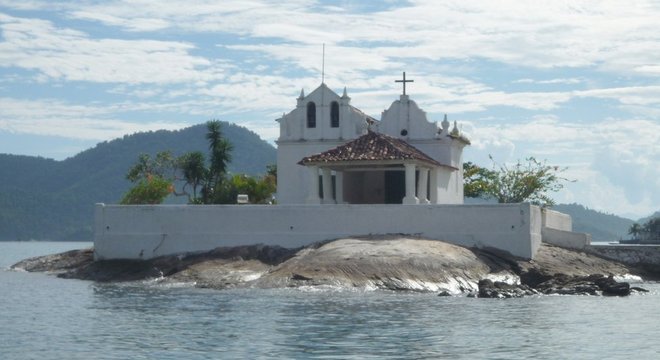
[(384, 262)]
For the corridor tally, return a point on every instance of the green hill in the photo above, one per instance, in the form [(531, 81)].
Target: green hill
[(643, 220), (45, 199), (601, 226)]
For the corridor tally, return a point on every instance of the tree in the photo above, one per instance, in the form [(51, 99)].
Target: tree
[(220, 150), (259, 190), (635, 230), (162, 165), (153, 178), (193, 168), (151, 190), (651, 230), (271, 171), (524, 182), (476, 180)]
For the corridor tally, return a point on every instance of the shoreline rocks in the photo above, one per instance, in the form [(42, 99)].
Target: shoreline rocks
[(561, 284), (384, 262)]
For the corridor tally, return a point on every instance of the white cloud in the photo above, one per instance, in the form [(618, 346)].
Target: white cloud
[(132, 24), (616, 162), (66, 54), (633, 95), (599, 193), (567, 81), (599, 51), (54, 118), (602, 34)]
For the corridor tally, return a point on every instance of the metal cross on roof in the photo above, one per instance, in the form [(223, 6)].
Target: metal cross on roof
[(404, 81)]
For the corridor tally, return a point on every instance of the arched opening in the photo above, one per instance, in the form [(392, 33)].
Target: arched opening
[(334, 114), (311, 114)]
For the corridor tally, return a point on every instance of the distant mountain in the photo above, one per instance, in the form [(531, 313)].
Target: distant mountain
[(44, 199), (644, 220), (601, 226)]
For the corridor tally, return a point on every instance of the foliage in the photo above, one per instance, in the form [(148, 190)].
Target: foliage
[(162, 165), (635, 230), (259, 190), (648, 231), (476, 180), (219, 147), (215, 187), (150, 190), (271, 171), (193, 169), (54, 199), (150, 174), (652, 229), (153, 178), (202, 184), (524, 182)]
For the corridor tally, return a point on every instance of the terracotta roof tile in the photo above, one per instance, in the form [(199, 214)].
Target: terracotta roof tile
[(369, 147)]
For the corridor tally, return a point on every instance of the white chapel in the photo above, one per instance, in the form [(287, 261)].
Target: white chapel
[(330, 152), (332, 155)]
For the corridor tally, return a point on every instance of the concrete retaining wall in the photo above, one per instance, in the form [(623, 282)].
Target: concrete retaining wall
[(629, 254), (143, 232), (556, 220), (557, 229), (566, 239)]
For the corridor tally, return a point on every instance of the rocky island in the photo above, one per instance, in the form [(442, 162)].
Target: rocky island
[(390, 262)]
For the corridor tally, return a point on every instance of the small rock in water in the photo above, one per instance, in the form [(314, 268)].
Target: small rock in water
[(501, 290), (638, 289), (595, 284)]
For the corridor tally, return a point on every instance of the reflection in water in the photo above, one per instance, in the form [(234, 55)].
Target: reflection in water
[(80, 320), (345, 325), (252, 323)]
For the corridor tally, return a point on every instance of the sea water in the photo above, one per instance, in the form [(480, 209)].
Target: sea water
[(43, 317)]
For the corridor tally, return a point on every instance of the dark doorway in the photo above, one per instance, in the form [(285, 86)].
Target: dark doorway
[(395, 187)]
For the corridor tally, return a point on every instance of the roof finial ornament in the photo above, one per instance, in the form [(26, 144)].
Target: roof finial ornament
[(345, 95), (455, 131), (445, 125), (302, 94)]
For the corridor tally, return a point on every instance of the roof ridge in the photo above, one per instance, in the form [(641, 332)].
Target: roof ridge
[(371, 146)]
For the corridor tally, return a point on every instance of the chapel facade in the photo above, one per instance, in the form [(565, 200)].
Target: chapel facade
[(330, 152)]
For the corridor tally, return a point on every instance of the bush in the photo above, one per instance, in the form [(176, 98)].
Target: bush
[(152, 190)]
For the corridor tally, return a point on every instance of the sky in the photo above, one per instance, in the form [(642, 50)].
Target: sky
[(574, 83)]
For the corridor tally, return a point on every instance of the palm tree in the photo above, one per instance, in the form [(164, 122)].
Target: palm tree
[(214, 133), (220, 150), (219, 147), (651, 230), (194, 172), (635, 230)]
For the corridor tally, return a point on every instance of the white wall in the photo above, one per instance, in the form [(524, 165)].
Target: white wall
[(143, 232), (556, 220), (293, 179), (557, 230), (566, 239), (296, 141)]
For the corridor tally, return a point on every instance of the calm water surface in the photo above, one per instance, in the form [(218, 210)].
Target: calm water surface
[(42, 317)]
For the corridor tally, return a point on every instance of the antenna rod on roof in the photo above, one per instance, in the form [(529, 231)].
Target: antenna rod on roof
[(323, 66)]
